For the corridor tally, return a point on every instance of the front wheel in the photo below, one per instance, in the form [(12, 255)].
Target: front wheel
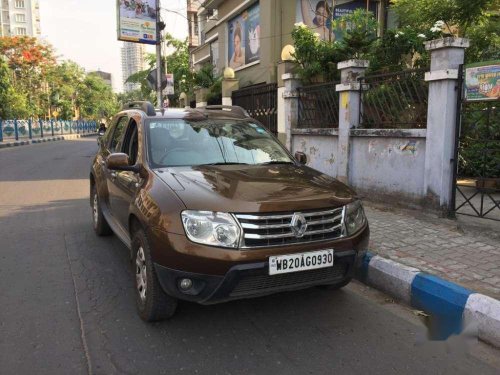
[(153, 303)]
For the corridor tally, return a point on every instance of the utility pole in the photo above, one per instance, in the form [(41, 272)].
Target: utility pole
[(158, 58)]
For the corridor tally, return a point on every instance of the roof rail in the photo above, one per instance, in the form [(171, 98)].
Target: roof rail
[(144, 106), (234, 109)]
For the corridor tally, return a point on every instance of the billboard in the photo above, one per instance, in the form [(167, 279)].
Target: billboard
[(244, 38), (137, 21), (482, 81), (317, 15), (169, 89)]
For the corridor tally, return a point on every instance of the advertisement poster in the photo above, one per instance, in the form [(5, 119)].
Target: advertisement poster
[(137, 21), (244, 38), (317, 15), (482, 81)]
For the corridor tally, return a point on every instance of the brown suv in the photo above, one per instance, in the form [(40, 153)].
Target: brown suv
[(214, 208)]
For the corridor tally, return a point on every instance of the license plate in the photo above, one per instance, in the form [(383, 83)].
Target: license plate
[(300, 262)]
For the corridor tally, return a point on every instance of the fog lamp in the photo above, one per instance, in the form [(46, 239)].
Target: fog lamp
[(185, 284)]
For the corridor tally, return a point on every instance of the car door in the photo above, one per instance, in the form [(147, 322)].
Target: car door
[(126, 183), (115, 145)]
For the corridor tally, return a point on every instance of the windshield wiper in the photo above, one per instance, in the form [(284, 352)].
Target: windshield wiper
[(226, 163), (276, 162)]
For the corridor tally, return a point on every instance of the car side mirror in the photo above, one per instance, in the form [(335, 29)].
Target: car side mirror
[(301, 157), (120, 162)]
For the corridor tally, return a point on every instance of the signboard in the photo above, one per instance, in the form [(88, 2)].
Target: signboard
[(482, 81), (137, 21), (317, 15), (244, 38), (169, 90)]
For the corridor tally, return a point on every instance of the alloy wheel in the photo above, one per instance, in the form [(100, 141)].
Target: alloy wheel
[(141, 274)]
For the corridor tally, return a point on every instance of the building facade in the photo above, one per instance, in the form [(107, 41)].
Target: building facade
[(106, 77), (249, 35), (20, 18), (193, 26), (133, 61)]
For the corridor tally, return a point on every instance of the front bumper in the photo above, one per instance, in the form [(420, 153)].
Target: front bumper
[(253, 280)]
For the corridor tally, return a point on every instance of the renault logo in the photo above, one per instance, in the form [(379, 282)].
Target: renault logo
[(298, 224)]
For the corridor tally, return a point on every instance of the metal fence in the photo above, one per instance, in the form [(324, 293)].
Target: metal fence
[(318, 106), (261, 102), (29, 129), (394, 100)]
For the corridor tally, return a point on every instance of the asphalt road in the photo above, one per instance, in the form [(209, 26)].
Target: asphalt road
[(67, 303)]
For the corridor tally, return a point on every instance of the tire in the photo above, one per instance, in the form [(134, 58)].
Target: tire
[(153, 304), (340, 285), (101, 226)]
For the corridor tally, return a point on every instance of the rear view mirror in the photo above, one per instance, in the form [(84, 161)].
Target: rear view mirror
[(301, 157), (117, 161), (120, 162)]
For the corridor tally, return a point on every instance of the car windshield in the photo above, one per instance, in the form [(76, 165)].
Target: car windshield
[(178, 142)]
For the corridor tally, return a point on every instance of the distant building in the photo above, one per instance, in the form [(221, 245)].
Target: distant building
[(106, 77), (20, 18), (133, 61), (192, 15)]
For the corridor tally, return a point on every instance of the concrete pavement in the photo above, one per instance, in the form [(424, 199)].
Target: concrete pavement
[(67, 302)]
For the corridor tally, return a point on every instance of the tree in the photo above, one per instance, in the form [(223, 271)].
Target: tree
[(13, 104), (30, 62), (96, 99)]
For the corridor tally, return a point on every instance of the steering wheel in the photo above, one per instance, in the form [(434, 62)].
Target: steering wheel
[(168, 152)]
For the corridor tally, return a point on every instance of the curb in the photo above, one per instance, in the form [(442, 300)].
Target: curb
[(43, 140), (451, 307)]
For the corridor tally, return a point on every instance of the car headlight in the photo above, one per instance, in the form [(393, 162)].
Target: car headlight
[(211, 228), (354, 217)]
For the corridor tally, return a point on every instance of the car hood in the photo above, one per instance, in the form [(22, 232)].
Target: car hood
[(255, 188)]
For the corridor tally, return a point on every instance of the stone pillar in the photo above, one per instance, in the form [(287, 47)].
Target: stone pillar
[(228, 86), (447, 55), (349, 108), (284, 67), (183, 100), (291, 106), (201, 96)]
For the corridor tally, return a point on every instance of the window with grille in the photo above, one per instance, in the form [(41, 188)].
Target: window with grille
[(21, 31), (19, 4)]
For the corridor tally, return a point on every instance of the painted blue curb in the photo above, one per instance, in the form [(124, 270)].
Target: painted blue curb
[(446, 303), (443, 300)]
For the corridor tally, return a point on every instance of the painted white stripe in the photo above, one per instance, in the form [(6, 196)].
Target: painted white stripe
[(392, 277), (484, 312)]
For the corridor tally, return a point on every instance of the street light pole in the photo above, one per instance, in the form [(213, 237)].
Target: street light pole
[(158, 58)]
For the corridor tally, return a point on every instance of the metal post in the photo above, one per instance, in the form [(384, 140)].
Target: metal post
[(41, 127), (15, 130), (29, 129), (52, 126), (1, 131), (158, 59)]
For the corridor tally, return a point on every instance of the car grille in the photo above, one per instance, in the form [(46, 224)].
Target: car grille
[(275, 229), (256, 284)]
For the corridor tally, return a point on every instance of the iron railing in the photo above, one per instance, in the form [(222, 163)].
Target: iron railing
[(394, 100), (318, 106), (261, 103), (29, 129)]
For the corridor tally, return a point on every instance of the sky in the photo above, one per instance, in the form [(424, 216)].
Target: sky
[(84, 31)]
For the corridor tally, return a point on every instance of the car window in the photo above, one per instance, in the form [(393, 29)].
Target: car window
[(178, 142), (118, 134), (131, 142)]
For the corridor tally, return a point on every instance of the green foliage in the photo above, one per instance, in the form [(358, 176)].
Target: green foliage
[(478, 20), (314, 56), (359, 33), (12, 102), (206, 78), (96, 99), (479, 147)]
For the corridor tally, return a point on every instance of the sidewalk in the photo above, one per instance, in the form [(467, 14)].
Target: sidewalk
[(465, 251)]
